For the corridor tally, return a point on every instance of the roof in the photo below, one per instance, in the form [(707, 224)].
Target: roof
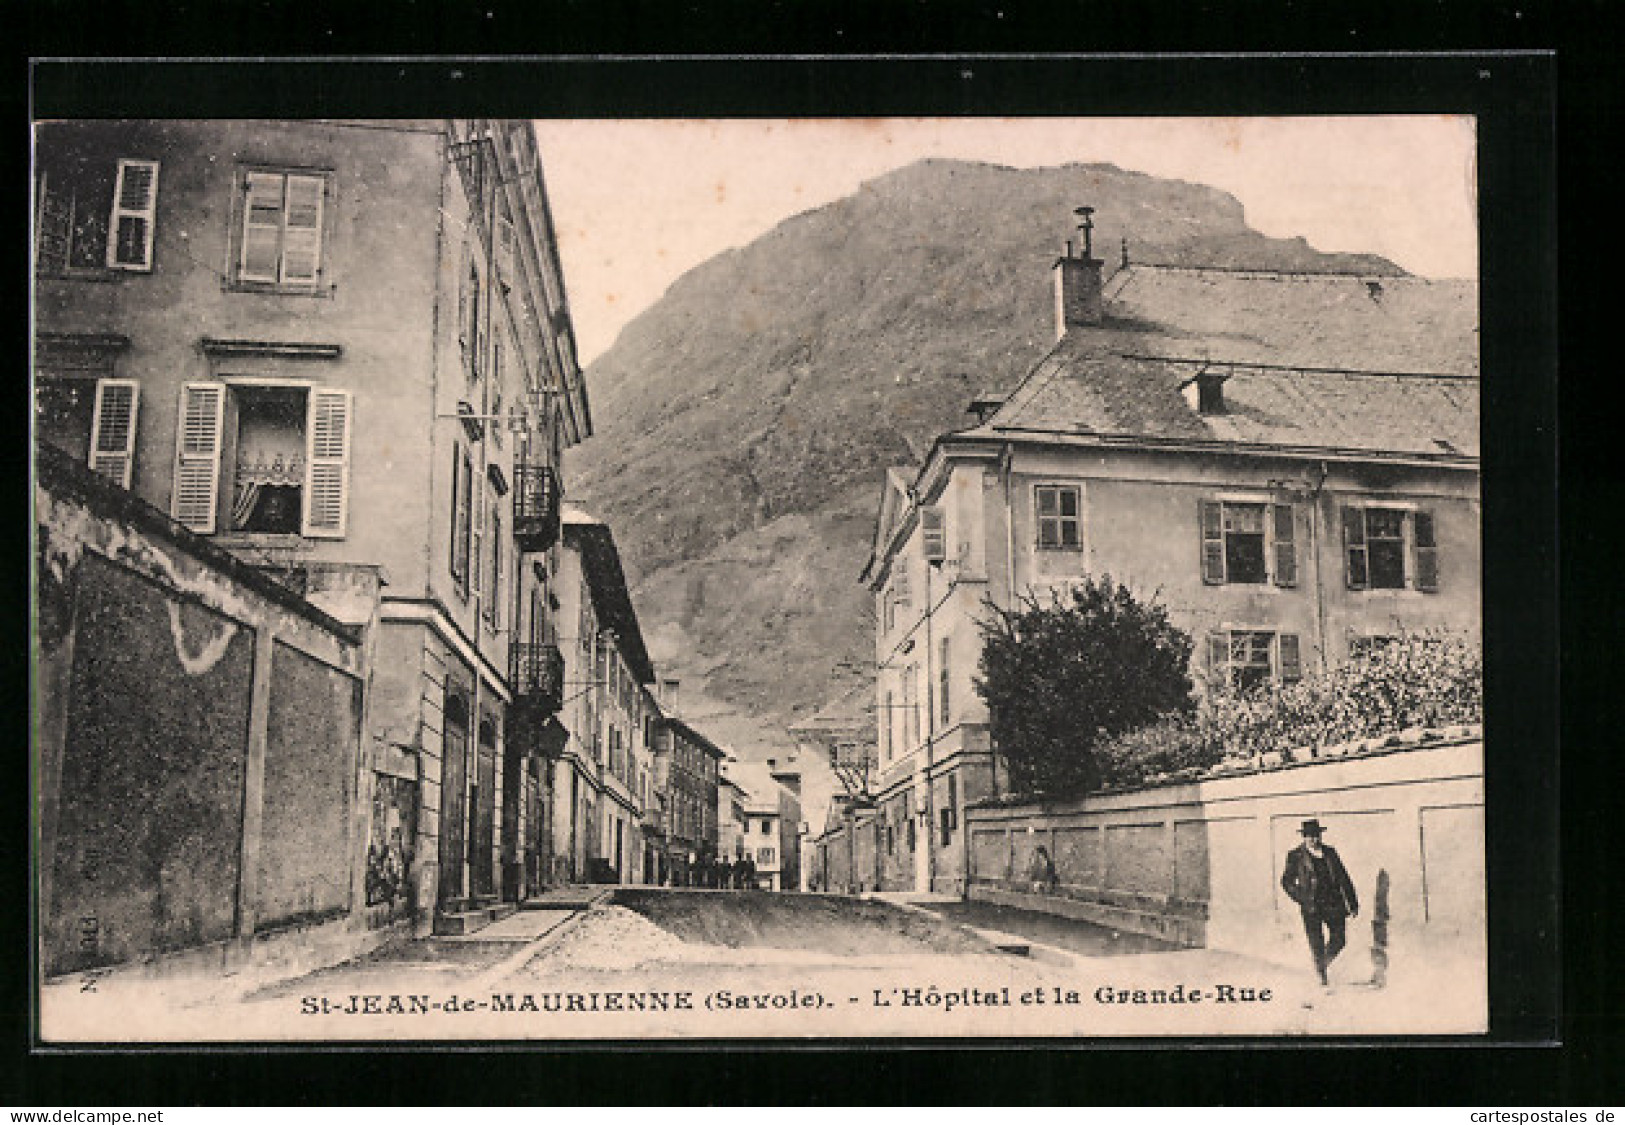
[(695, 736), (1372, 323), (611, 601), (756, 780), (1310, 362)]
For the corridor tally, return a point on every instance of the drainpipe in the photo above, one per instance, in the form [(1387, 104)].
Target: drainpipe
[(930, 745), (1007, 455), (1320, 585)]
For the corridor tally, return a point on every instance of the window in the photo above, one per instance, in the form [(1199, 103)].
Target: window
[(1390, 549), (1241, 539), (94, 212), (942, 682), (1247, 659), (767, 827), (471, 323), (493, 587), (948, 816), (767, 857), (1059, 526), (92, 420), (1361, 648), (911, 714), (462, 473), (886, 728), (279, 237), (272, 459)]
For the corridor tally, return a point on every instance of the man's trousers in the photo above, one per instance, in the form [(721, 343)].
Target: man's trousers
[(1326, 938)]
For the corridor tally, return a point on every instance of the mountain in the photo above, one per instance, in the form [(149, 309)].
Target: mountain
[(745, 421)]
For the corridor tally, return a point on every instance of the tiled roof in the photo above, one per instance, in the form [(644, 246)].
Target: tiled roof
[(1304, 381), (1401, 324)]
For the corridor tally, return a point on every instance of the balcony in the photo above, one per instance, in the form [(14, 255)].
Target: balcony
[(538, 683), (538, 496)]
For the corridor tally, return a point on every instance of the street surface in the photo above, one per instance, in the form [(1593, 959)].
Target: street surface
[(689, 964)]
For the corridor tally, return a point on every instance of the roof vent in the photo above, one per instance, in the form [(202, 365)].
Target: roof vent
[(983, 407)]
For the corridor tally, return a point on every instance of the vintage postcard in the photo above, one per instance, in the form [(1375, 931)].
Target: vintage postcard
[(536, 579)]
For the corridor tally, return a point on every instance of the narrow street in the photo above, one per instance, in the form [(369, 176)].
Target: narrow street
[(683, 964)]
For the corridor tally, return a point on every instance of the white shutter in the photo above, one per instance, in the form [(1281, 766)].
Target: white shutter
[(135, 205), (262, 226), (302, 232), (327, 465), (197, 456), (112, 429), (933, 534)]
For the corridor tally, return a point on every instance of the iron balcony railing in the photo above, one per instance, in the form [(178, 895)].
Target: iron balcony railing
[(538, 680), (538, 497)]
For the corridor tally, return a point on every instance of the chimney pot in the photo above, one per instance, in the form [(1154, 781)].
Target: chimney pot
[(1078, 301)]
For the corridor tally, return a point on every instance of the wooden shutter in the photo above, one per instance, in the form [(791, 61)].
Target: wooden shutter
[(934, 533), (1218, 656), (327, 464), (1291, 657), (1286, 547), (505, 247), (1359, 571), (459, 519), (901, 593), (196, 493), (1427, 552), (302, 230), (1210, 514), (135, 205), (112, 429), (262, 226)]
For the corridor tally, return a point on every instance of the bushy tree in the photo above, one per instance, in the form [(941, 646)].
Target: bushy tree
[(1063, 674)]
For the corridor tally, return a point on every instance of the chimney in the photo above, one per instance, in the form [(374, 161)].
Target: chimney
[(1077, 279)]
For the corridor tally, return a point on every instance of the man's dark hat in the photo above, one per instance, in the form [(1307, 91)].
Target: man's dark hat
[(1310, 828)]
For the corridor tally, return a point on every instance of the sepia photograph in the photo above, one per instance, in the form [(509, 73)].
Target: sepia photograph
[(676, 579)]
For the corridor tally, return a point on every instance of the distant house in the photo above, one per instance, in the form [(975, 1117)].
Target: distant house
[(772, 834), (1288, 462)]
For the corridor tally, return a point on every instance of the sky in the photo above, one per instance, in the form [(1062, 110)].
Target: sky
[(638, 203)]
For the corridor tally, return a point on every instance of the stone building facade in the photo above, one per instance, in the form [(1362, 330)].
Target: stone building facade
[(341, 351), (1287, 462)]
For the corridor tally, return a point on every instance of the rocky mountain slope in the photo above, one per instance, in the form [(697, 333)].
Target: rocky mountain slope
[(745, 420)]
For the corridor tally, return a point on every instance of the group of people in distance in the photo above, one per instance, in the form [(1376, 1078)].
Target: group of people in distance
[(719, 873)]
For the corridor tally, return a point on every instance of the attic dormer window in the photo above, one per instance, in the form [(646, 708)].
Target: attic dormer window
[(1210, 392)]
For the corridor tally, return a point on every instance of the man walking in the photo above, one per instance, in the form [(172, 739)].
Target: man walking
[(1315, 879)]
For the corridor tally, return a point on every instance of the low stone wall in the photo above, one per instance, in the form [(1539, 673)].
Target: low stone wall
[(1199, 863)]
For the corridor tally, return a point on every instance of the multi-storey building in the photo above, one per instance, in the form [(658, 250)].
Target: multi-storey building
[(342, 351), (693, 764), (772, 820), (603, 779), (1287, 462)]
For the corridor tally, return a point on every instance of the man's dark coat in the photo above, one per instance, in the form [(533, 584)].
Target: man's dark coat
[(1301, 885)]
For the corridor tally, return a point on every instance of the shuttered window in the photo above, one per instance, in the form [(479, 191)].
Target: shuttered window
[(195, 497), (1240, 542), (1245, 659), (135, 206), (461, 485), (280, 242), (112, 429), (942, 682), (327, 464), (1390, 549)]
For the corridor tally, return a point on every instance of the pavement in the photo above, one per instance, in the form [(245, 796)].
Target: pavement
[(761, 964)]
